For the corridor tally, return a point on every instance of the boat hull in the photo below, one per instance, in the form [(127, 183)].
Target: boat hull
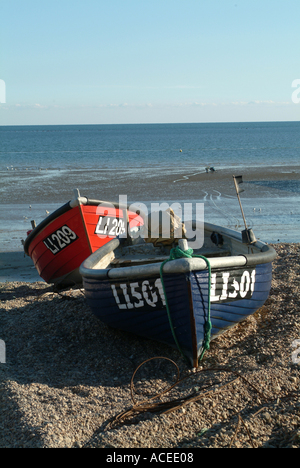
[(68, 236), (138, 305), (55, 257)]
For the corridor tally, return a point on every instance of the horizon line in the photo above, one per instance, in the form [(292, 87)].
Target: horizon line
[(149, 123)]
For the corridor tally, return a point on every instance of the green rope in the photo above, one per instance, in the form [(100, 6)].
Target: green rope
[(176, 253)]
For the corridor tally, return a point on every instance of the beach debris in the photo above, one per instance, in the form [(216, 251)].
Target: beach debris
[(167, 407)]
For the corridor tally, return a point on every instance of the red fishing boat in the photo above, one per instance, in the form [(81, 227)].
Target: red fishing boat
[(63, 240)]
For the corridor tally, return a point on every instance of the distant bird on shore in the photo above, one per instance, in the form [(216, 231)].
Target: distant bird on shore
[(47, 212)]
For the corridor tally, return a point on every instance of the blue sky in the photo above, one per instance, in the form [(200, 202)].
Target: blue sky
[(137, 61)]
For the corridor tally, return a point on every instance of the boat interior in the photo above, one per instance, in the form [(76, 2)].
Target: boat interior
[(139, 251)]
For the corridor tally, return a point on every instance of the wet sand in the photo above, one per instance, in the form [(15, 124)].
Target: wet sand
[(15, 266), (270, 199), (146, 183)]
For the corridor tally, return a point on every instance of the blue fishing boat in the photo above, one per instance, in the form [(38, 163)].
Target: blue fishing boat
[(178, 296)]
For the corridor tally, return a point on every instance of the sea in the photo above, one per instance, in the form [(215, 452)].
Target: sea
[(40, 166)]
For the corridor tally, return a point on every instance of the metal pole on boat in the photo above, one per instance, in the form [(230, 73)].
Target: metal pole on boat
[(76, 193), (248, 236), (238, 190)]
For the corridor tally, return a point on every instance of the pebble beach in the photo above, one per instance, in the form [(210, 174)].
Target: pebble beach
[(70, 381)]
